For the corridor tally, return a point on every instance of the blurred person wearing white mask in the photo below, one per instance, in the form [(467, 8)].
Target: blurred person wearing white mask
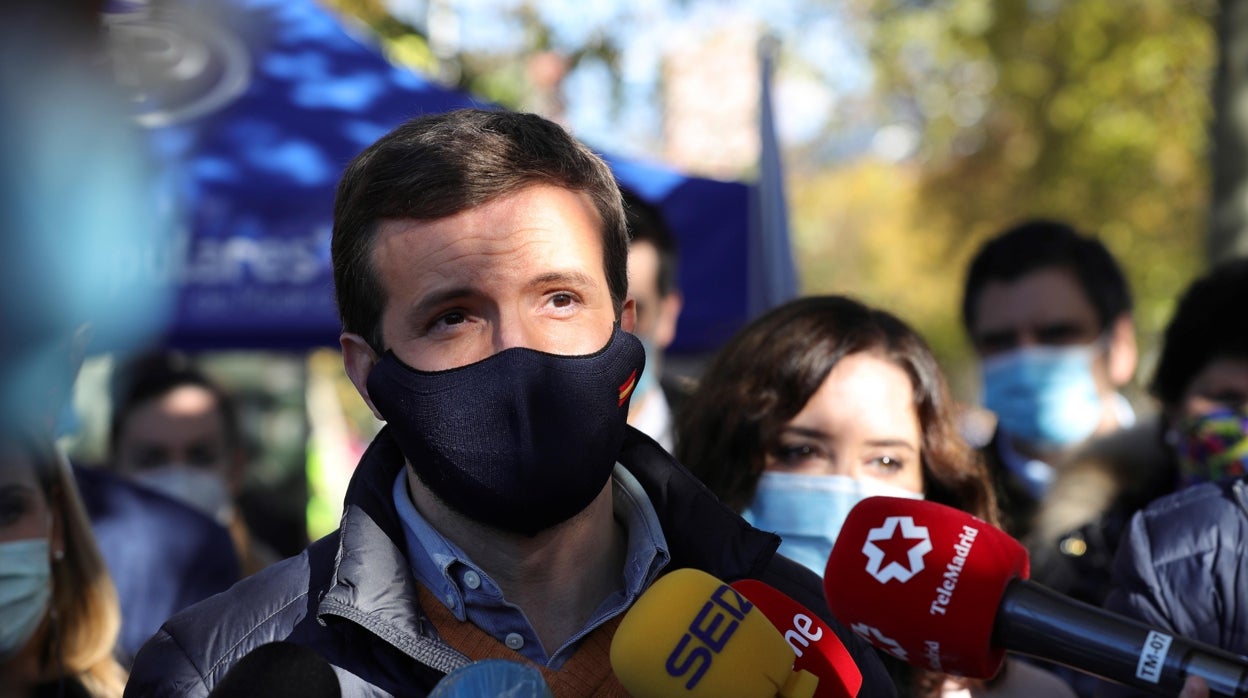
[(175, 431), (652, 285)]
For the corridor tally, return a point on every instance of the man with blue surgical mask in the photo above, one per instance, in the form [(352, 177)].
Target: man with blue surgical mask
[(652, 262), (1048, 312)]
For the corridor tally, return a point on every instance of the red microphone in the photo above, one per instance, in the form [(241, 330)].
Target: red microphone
[(816, 645), (943, 590), (923, 582)]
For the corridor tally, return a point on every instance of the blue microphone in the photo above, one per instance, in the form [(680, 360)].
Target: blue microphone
[(493, 677)]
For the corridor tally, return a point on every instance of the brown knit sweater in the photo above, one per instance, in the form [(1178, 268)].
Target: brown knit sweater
[(586, 673)]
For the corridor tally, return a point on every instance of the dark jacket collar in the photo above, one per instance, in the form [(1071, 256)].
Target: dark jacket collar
[(372, 583), (701, 532)]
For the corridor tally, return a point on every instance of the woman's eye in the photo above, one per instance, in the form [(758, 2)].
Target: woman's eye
[(13, 507), (794, 453), (888, 463)]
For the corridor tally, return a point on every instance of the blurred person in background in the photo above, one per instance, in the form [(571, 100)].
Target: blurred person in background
[(1048, 312), (819, 404), (1182, 563), (652, 285), (59, 615), (79, 208), (162, 554), (176, 431)]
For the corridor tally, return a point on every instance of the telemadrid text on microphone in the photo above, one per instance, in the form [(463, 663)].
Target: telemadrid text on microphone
[(945, 591)]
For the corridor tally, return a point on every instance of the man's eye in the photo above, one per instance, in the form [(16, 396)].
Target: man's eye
[(993, 342), (562, 300), (452, 318), (1058, 335), (150, 457), (204, 456)]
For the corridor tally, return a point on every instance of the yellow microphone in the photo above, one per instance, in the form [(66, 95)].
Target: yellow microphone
[(693, 635)]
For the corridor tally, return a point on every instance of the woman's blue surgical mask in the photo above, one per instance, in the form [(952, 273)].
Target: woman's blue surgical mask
[(1045, 396), (25, 591), (807, 511)]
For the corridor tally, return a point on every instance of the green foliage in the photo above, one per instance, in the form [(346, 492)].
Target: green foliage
[(1094, 112)]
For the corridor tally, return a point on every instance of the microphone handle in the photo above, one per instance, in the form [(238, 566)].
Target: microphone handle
[(1040, 622)]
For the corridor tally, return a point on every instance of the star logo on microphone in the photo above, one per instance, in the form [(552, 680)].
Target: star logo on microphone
[(879, 639), (895, 550)]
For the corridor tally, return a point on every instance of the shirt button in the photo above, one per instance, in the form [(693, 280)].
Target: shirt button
[(472, 580), (514, 641), (450, 600)]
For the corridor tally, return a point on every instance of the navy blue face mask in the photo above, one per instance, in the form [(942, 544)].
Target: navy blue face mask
[(520, 441)]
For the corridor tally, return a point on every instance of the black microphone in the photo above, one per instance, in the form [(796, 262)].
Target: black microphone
[(1035, 620), (943, 590), (280, 670)]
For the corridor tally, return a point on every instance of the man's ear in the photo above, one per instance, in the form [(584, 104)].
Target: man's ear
[(358, 358), (628, 316), (1123, 354)]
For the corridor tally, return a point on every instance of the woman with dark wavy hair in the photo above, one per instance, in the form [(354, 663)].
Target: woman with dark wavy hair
[(818, 405), (739, 425)]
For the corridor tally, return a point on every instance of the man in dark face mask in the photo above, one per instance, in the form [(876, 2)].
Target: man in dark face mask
[(506, 510)]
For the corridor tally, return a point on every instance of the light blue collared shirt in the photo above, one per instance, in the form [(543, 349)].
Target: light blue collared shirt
[(470, 594)]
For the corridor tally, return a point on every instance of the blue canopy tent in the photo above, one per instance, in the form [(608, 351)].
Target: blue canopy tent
[(253, 107)]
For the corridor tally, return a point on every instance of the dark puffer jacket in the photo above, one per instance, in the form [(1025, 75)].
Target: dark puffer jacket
[(352, 598), (1183, 567)]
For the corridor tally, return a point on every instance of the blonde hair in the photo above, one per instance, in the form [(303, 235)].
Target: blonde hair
[(86, 615)]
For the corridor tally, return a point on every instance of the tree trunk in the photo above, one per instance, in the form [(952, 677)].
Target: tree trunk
[(1228, 222)]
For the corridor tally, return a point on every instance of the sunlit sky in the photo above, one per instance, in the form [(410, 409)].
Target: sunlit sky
[(821, 60)]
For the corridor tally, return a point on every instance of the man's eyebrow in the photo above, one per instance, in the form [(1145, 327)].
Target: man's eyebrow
[(1004, 333), (429, 302), (565, 278), (1060, 326)]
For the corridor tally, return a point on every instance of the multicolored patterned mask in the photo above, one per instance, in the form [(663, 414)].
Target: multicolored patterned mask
[(1212, 447)]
